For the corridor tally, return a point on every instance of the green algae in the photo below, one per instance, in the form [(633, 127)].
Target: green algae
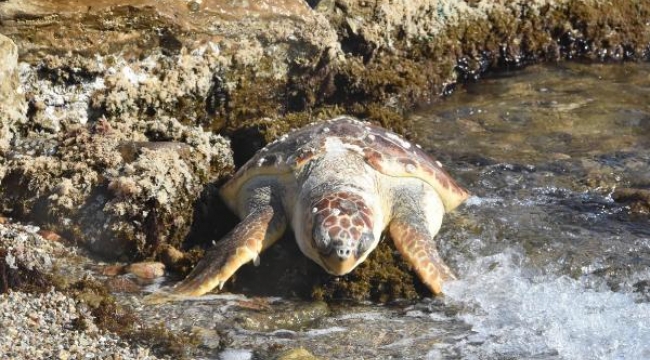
[(383, 277)]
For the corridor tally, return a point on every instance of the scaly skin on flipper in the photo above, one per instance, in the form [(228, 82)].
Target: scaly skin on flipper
[(416, 218), (417, 247), (260, 229)]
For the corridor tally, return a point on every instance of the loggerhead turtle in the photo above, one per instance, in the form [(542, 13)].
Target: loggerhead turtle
[(339, 184)]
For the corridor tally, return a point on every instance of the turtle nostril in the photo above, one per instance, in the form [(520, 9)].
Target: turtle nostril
[(343, 253)]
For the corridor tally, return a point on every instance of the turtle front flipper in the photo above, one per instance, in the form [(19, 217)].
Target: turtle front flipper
[(256, 232), (416, 219)]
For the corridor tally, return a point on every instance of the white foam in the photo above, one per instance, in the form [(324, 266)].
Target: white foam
[(327, 331), (366, 316), (516, 312), (236, 354)]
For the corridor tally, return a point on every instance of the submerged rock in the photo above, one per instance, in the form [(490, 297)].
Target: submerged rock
[(277, 317), (296, 354), (638, 199)]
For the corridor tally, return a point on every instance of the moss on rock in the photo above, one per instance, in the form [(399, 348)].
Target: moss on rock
[(105, 83)]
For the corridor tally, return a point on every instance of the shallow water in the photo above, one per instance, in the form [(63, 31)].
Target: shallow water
[(550, 266)]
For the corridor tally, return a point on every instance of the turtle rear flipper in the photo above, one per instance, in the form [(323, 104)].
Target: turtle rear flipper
[(416, 219), (257, 231)]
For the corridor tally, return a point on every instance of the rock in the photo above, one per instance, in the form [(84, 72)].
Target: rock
[(52, 325), (121, 285), (208, 338), (50, 235), (296, 354), (638, 199), (13, 105), (631, 194), (113, 270), (171, 255), (116, 74), (146, 270), (278, 318)]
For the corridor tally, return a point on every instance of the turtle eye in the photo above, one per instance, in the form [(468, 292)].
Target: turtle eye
[(320, 236), (365, 241)]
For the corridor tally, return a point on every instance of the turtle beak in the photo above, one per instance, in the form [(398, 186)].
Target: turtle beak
[(341, 257), (338, 266)]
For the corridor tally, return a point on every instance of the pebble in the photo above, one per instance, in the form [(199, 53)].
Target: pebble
[(50, 325), (122, 285), (41, 326), (113, 270), (50, 235), (147, 270)]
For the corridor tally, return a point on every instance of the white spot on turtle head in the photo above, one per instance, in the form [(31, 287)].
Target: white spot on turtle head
[(410, 168), (371, 137)]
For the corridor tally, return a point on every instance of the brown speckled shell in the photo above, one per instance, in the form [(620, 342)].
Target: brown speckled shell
[(385, 151)]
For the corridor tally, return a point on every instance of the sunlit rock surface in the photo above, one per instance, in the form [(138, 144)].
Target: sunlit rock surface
[(103, 78), (119, 119), (12, 100)]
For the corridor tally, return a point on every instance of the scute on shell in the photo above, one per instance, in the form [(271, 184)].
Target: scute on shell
[(385, 151)]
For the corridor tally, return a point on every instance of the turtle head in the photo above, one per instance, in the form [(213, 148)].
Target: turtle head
[(342, 228)]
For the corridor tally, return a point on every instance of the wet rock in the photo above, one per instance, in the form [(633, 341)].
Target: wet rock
[(121, 285), (638, 199), (146, 270), (208, 338), (278, 317), (113, 270), (296, 354)]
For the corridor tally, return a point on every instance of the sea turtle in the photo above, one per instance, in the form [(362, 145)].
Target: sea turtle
[(339, 184)]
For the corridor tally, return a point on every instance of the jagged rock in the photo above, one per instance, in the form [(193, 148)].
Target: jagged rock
[(12, 103)]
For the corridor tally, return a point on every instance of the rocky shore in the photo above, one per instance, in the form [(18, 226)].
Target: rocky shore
[(118, 120)]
